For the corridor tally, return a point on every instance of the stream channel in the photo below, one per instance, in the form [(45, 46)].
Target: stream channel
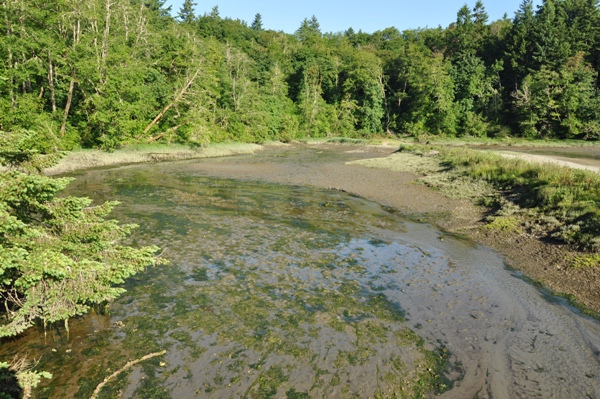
[(289, 291)]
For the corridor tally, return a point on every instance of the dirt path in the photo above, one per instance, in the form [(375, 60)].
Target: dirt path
[(576, 163)]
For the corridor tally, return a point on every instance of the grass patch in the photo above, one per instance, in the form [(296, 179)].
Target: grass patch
[(403, 162), (497, 141), (587, 261), (426, 161), (553, 201), (508, 224)]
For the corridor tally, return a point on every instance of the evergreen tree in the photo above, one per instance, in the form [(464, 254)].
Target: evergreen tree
[(519, 46), (59, 255), (187, 12), (583, 24), (214, 12), (257, 23), (309, 31), (480, 16), (158, 7), (551, 44)]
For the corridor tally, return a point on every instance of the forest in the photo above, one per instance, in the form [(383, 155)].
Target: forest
[(102, 74)]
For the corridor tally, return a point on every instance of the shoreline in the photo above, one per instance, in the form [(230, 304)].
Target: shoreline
[(90, 159), (542, 263)]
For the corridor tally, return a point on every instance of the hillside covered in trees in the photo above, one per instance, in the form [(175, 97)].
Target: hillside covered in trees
[(100, 73)]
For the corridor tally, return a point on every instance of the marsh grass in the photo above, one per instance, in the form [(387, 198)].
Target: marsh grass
[(587, 261), (495, 141), (435, 174), (561, 202), (347, 140)]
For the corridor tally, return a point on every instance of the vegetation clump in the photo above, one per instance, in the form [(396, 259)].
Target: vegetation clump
[(94, 79), (58, 255), (559, 202)]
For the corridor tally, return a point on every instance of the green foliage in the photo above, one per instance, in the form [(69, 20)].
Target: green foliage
[(18, 379), (508, 224), (28, 151), (102, 74), (558, 202), (569, 195), (257, 23), (58, 255), (591, 261), (560, 104), (186, 12)]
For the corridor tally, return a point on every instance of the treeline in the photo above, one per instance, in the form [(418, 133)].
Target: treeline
[(102, 73)]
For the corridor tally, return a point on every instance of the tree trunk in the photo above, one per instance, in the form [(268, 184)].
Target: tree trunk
[(63, 125), (11, 83), (51, 84), (104, 47), (171, 104), (127, 365)]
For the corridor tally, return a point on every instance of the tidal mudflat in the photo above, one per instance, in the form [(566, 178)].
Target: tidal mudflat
[(287, 291)]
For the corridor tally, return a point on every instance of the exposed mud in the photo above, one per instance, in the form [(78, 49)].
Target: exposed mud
[(294, 292), (510, 340)]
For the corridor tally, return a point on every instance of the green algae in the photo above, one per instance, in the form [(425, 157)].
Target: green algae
[(271, 291)]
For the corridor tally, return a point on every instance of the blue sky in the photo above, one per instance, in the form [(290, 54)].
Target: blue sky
[(338, 15)]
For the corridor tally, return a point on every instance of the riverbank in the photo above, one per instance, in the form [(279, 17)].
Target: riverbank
[(549, 263), (539, 209), (87, 159)]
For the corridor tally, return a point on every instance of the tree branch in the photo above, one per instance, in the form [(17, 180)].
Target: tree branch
[(165, 109), (128, 365)]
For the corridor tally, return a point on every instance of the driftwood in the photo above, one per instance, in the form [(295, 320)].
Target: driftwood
[(128, 365)]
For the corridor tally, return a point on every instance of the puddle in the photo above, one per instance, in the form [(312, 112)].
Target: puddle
[(292, 292)]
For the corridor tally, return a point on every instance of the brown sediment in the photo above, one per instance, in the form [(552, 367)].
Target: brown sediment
[(546, 262), (91, 158)]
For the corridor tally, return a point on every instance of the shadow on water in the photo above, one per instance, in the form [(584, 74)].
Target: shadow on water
[(9, 385), (295, 292)]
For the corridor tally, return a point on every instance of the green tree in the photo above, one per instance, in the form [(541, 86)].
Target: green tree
[(364, 88), (560, 104), (58, 255), (257, 23), (429, 106), (309, 30), (187, 13), (313, 108), (519, 46), (552, 46)]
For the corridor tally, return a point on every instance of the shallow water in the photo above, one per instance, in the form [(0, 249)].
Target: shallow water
[(295, 292)]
